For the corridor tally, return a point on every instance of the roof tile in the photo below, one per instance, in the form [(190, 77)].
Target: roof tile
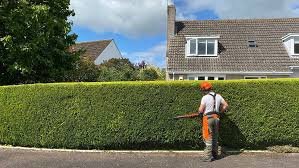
[(270, 55), (92, 49)]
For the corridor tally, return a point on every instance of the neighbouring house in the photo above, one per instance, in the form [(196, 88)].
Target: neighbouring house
[(231, 49), (98, 51)]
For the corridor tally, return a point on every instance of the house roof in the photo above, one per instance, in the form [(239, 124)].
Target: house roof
[(234, 54), (92, 49)]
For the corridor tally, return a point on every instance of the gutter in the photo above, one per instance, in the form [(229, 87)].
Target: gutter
[(294, 67), (240, 72)]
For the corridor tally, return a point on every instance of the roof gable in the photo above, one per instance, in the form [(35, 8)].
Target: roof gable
[(92, 49)]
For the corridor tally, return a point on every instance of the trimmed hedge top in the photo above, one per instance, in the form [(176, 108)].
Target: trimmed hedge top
[(135, 115)]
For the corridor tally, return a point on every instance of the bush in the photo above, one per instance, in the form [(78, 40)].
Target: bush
[(148, 74), (151, 73), (135, 115), (85, 71), (117, 69)]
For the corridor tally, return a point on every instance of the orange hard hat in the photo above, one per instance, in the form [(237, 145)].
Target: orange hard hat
[(205, 86)]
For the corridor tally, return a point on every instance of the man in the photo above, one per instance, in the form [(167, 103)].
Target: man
[(211, 106)]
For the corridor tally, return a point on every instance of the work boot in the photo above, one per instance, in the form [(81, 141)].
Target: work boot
[(206, 159), (215, 155)]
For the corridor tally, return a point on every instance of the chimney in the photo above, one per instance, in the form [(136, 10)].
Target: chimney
[(171, 12)]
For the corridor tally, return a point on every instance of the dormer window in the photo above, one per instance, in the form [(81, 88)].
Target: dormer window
[(291, 43), (202, 46)]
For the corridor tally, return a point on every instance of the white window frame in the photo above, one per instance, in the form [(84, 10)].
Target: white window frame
[(207, 39), (289, 42), (296, 41), (257, 77), (195, 76)]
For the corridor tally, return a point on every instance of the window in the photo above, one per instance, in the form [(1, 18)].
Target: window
[(202, 46), (202, 77), (210, 47), (252, 43), (291, 44), (193, 46), (255, 77), (296, 45)]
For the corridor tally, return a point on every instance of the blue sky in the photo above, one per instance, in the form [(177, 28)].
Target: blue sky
[(139, 26)]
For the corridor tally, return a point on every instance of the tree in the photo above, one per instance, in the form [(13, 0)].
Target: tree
[(150, 72), (117, 70), (85, 71), (35, 41)]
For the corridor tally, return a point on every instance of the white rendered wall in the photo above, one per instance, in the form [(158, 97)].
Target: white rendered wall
[(295, 74), (111, 51), (289, 45)]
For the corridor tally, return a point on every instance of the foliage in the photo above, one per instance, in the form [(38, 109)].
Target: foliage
[(135, 115), (148, 74), (141, 65), (85, 71), (117, 70), (34, 41)]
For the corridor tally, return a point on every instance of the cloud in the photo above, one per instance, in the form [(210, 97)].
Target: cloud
[(170, 2), (154, 55), (233, 9), (135, 18), (182, 16), (127, 17)]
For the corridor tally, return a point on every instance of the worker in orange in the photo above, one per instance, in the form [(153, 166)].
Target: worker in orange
[(212, 104)]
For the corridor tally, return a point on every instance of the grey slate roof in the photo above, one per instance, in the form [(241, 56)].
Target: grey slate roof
[(92, 49), (234, 54)]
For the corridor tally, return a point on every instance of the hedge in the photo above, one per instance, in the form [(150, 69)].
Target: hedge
[(135, 115)]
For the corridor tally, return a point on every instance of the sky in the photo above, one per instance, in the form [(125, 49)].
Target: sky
[(138, 27)]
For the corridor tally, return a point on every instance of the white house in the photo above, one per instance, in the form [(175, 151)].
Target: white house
[(98, 51), (231, 49)]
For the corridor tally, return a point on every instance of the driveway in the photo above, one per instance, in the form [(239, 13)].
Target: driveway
[(30, 158)]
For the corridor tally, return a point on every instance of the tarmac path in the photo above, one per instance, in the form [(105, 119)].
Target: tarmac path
[(29, 158)]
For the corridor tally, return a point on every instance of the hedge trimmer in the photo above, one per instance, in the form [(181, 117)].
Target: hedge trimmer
[(190, 115)]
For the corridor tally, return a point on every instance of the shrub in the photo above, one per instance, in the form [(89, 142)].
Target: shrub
[(85, 71), (135, 115), (117, 69), (151, 73), (148, 74)]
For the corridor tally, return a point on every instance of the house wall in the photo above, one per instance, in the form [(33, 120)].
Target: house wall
[(234, 76), (277, 76), (177, 77), (111, 51), (295, 74)]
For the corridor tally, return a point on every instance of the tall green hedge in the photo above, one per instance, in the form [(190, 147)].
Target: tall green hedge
[(135, 115)]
